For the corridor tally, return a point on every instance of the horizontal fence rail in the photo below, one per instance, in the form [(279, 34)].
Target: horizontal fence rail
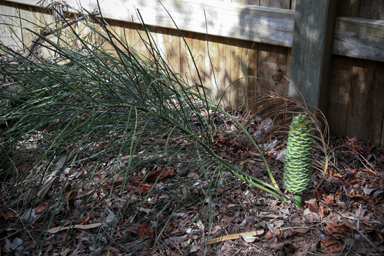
[(354, 37)]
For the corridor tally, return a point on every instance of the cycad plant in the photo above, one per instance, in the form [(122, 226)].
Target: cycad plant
[(99, 121), (306, 132), (298, 158)]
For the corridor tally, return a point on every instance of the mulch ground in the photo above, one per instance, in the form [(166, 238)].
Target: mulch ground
[(343, 216)]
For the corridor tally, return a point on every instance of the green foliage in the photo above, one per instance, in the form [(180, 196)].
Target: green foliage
[(298, 158), (105, 110)]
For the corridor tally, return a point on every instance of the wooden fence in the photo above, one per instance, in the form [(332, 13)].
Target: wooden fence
[(233, 39)]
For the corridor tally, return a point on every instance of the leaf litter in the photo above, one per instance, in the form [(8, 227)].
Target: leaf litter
[(345, 216)]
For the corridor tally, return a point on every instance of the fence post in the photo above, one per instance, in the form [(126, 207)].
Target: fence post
[(312, 50)]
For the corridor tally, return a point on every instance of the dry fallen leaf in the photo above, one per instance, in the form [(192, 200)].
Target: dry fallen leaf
[(85, 219), (41, 207), (338, 229), (89, 226), (142, 190), (143, 231), (248, 236)]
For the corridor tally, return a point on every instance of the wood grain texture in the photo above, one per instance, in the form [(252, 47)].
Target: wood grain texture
[(339, 95), (312, 51), (249, 68), (224, 75), (366, 107), (212, 66), (272, 60), (245, 21), (348, 8), (372, 9), (238, 86), (355, 105), (359, 38), (10, 35), (194, 55)]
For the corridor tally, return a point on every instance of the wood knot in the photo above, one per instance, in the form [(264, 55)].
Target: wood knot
[(277, 75)]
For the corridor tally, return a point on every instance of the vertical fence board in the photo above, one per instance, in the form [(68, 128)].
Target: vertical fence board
[(339, 95), (339, 89), (238, 86), (199, 51), (250, 69), (27, 18), (172, 49), (196, 50), (223, 67), (372, 9), (272, 65), (348, 8), (186, 64), (355, 94), (212, 63), (272, 60), (10, 35), (366, 106), (312, 52)]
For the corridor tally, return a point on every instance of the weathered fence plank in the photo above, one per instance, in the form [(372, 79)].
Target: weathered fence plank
[(240, 21), (272, 60), (10, 36), (366, 106), (359, 38), (355, 105), (312, 50)]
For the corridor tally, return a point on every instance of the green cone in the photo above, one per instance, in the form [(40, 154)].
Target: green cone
[(298, 158)]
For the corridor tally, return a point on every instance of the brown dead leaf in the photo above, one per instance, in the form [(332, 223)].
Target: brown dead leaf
[(312, 216), (67, 223), (136, 181), (301, 230), (143, 231), (312, 205), (330, 200), (160, 172), (328, 242), (274, 233), (85, 219), (336, 230), (9, 215), (41, 207), (354, 193), (315, 208), (333, 248), (46, 243), (22, 168), (247, 236), (142, 190)]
